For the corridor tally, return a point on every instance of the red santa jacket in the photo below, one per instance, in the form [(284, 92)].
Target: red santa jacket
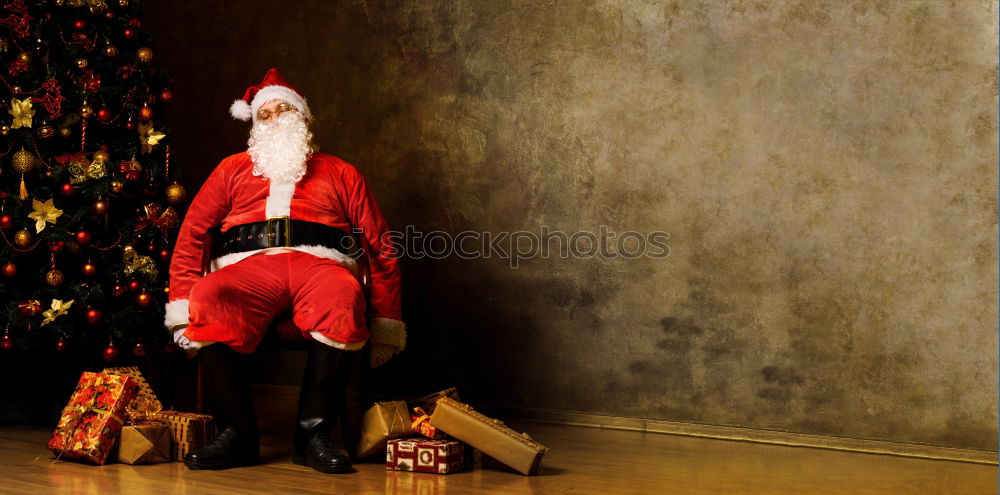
[(332, 192)]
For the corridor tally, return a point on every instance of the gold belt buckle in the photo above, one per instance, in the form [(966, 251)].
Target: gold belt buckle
[(272, 235)]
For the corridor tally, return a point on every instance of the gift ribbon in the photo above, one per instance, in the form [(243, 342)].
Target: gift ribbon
[(143, 410), (83, 410), (422, 416)]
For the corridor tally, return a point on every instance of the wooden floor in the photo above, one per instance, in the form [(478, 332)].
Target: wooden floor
[(581, 460)]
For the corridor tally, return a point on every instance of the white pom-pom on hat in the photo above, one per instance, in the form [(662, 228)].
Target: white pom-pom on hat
[(240, 110)]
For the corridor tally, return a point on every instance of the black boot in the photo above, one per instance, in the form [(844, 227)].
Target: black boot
[(228, 398), (322, 400)]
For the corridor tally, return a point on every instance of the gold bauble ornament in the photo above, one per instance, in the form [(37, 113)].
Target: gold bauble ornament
[(23, 238), (100, 207), (58, 3), (4, 129), (54, 278), (65, 132), (81, 63), (16, 89), (24, 57), (111, 50), (102, 155), (23, 161), (123, 3), (128, 250), (144, 55), (86, 111), (175, 193), (116, 186)]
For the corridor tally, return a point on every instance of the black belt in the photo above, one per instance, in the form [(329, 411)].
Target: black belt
[(282, 232)]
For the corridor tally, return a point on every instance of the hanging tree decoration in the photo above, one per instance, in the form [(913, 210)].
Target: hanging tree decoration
[(44, 212), (58, 309), (22, 163), (22, 112), (149, 137)]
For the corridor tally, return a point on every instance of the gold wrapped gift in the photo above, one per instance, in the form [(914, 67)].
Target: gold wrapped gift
[(146, 443), (381, 422), (517, 450)]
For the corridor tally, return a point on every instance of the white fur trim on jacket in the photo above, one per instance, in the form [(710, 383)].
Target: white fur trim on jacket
[(279, 93), (279, 199), (318, 251), (356, 346), (388, 331), (176, 313)]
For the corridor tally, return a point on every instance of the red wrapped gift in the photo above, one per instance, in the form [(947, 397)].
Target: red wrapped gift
[(92, 420), (426, 456), (422, 424)]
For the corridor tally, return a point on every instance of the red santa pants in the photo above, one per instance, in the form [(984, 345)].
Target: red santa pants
[(235, 304)]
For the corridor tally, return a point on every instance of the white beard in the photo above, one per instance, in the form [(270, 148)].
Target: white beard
[(280, 149)]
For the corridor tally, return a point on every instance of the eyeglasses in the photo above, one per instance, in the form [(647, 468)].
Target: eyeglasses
[(266, 115)]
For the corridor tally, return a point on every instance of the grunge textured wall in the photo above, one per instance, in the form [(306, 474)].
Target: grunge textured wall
[(827, 172)]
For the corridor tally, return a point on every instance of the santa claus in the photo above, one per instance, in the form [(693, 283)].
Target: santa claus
[(284, 218)]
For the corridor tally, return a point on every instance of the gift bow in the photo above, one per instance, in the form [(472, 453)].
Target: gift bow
[(136, 263), (80, 169), (422, 416), (143, 410), (158, 217), (31, 307)]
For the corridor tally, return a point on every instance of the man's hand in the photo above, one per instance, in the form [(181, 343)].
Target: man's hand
[(182, 341), (381, 354)]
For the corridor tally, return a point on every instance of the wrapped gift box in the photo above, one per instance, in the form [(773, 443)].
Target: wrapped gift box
[(146, 443), (145, 391), (516, 450), (94, 417), (188, 431), (381, 422), (423, 455)]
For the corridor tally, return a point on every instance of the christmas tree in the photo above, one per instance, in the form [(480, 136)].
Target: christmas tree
[(87, 200)]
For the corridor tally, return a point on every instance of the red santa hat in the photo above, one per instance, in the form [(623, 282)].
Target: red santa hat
[(272, 87)]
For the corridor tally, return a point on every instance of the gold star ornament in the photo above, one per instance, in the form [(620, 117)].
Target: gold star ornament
[(45, 212), (149, 137), (22, 112), (58, 309)]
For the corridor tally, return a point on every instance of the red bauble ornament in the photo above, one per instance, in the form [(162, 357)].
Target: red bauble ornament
[(80, 24), (93, 316), (83, 237), (110, 353), (56, 246), (134, 285), (144, 299), (88, 269), (61, 345), (129, 33), (130, 125), (10, 269), (6, 221), (118, 290), (104, 115), (145, 113), (166, 95), (66, 189), (6, 342), (139, 349), (164, 255)]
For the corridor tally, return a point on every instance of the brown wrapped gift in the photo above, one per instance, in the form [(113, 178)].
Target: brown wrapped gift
[(190, 431), (428, 402), (145, 391), (516, 450), (147, 443), (381, 422)]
